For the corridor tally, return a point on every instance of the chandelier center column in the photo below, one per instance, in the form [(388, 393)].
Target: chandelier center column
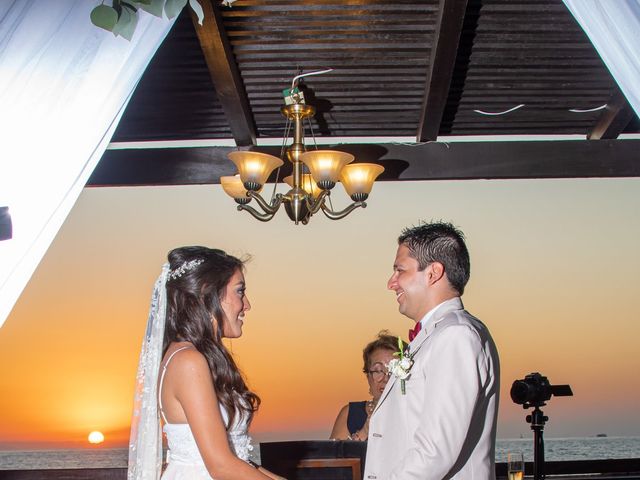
[(296, 113), (297, 207)]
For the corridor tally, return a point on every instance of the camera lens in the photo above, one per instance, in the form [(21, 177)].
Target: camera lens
[(521, 392)]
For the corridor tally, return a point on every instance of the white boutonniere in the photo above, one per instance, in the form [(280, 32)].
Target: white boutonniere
[(401, 367)]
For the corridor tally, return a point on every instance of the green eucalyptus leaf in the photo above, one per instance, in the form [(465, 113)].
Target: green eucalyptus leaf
[(139, 2), (197, 9), (126, 25), (104, 17), (173, 7), (123, 19), (154, 7)]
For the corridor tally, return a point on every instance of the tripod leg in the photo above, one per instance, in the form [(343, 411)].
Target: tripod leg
[(537, 425), (538, 449)]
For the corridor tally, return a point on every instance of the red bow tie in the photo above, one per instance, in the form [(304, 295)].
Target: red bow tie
[(413, 333)]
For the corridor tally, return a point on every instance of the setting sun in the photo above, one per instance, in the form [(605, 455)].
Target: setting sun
[(96, 437)]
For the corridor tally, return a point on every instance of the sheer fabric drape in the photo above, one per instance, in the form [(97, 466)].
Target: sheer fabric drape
[(64, 85), (613, 26), (145, 444)]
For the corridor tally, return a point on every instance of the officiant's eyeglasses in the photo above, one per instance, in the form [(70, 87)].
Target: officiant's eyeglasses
[(378, 375)]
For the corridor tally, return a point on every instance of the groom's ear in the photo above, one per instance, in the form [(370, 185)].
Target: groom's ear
[(434, 272)]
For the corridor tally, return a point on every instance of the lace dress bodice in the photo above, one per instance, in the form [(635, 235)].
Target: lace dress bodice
[(183, 448), (184, 461)]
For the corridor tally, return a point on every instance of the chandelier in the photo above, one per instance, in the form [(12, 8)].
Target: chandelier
[(310, 187)]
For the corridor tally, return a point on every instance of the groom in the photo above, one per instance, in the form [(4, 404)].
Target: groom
[(441, 423)]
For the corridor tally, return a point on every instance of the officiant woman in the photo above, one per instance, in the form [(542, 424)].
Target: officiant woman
[(352, 423)]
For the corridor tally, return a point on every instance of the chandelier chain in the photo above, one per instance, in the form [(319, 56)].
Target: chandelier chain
[(287, 131), (313, 134), (275, 184)]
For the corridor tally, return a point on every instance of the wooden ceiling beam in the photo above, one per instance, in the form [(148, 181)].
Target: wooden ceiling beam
[(225, 74), (452, 161), (613, 120), (441, 65)]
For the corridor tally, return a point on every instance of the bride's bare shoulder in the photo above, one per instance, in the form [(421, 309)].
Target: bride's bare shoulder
[(181, 355)]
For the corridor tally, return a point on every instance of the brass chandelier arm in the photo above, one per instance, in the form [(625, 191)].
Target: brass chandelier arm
[(271, 208), (342, 213), (263, 217), (315, 204)]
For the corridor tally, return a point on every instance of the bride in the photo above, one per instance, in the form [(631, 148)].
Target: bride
[(187, 377)]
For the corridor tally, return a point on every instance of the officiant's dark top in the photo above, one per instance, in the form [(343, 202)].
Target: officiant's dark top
[(357, 416)]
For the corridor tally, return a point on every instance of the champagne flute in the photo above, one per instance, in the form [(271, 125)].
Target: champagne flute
[(515, 465)]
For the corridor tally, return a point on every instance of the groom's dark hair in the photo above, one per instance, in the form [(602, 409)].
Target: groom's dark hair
[(439, 242)]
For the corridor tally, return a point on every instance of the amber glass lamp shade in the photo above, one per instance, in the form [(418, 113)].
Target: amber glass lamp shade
[(254, 167), (307, 184), (325, 165), (232, 186), (358, 179)]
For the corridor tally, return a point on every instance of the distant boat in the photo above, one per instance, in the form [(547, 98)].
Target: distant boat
[(601, 435)]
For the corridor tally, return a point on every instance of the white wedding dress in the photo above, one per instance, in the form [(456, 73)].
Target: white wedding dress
[(184, 461)]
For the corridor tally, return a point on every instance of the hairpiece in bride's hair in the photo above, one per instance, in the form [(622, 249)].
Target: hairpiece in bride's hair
[(185, 267)]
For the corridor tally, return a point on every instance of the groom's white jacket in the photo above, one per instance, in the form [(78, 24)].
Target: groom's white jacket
[(444, 426)]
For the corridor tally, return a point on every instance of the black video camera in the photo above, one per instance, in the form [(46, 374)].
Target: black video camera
[(534, 390)]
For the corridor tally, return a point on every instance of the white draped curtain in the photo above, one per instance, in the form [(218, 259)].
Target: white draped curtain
[(64, 85), (613, 26)]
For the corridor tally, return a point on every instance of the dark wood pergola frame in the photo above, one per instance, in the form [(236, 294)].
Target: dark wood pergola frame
[(600, 154)]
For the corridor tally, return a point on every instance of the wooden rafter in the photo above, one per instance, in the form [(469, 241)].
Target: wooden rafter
[(441, 65), (225, 74), (455, 161), (614, 119)]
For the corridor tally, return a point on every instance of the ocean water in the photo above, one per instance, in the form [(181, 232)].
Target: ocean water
[(51, 459), (592, 448)]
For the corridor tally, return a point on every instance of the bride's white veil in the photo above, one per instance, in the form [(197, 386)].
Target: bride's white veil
[(145, 444)]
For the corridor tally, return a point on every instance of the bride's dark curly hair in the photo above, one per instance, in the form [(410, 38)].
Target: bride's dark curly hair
[(193, 305)]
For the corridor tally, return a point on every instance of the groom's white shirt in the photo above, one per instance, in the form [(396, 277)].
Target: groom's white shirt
[(444, 426)]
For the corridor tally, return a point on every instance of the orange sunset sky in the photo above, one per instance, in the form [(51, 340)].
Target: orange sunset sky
[(555, 267)]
